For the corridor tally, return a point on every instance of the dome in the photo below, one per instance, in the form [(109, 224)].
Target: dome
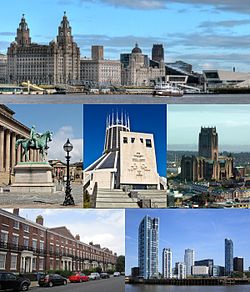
[(136, 50)]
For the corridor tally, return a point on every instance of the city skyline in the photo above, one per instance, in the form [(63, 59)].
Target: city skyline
[(91, 225), (143, 119), (218, 32), (231, 122), (204, 232), (65, 121)]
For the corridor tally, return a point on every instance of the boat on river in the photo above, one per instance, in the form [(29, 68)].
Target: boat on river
[(167, 89)]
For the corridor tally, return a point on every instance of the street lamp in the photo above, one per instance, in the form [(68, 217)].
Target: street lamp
[(68, 147)]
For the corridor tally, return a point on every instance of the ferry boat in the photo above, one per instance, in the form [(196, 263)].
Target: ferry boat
[(167, 89)]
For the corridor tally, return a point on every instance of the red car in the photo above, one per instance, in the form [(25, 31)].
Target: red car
[(78, 277)]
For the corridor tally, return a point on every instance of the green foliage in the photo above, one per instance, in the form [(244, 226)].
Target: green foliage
[(110, 272), (120, 264)]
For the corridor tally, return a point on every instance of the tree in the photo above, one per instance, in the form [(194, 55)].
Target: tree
[(120, 264)]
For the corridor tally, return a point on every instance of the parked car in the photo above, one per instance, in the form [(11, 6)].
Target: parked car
[(10, 281), (78, 277), (94, 276), (117, 274), (104, 276), (51, 280)]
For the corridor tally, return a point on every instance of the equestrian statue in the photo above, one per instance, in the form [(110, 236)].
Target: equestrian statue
[(36, 142)]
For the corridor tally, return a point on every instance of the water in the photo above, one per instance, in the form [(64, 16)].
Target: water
[(128, 99), (160, 288)]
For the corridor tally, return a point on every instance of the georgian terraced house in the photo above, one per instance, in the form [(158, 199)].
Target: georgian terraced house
[(27, 246)]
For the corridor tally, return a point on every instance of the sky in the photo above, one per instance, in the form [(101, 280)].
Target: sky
[(143, 119), (206, 33), (106, 227), (64, 120), (204, 231), (232, 123)]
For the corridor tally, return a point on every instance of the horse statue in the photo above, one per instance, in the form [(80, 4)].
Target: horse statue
[(36, 142)]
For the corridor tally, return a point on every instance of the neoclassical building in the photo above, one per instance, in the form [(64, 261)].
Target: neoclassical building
[(10, 131), (56, 63), (137, 71), (29, 247)]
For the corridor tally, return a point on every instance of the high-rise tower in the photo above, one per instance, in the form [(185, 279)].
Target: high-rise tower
[(148, 244), (158, 52), (189, 260), (23, 33), (228, 256), (167, 263), (208, 143)]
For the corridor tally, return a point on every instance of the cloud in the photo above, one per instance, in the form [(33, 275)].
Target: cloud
[(6, 33), (224, 23), (58, 140)]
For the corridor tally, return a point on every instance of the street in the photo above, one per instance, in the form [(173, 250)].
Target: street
[(114, 284)]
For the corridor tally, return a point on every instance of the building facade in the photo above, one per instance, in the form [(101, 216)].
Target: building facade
[(189, 260), (228, 256), (208, 165), (3, 68), (148, 245), (200, 271), (100, 72), (56, 63), (158, 53), (27, 246), (167, 263), (238, 264), (10, 131), (207, 263), (136, 69), (181, 270)]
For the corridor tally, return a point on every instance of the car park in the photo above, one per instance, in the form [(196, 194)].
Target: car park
[(51, 280), (10, 281), (94, 276), (104, 276), (78, 278)]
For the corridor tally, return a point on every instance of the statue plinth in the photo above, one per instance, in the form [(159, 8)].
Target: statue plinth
[(33, 177)]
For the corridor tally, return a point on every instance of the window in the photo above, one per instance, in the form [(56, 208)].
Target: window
[(141, 139), (16, 224), (51, 264), (25, 242), (34, 243), (34, 264), (15, 239), (41, 264), (132, 140), (148, 143), (26, 228), (125, 140), (13, 262), (41, 245), (4, 237), (2, 261)]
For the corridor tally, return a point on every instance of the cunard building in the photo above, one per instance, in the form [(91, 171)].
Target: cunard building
[(27, 246), (56, 63)]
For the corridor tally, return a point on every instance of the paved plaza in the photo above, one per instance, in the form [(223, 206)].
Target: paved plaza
[(45, 200)]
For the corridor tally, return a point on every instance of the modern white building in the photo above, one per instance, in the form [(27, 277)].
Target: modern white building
[(181, 271), (202, 271), (128, 159), (167, 263), (148, 245), (189, 260)]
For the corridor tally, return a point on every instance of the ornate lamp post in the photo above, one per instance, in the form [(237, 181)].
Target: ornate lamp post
[(68, 147)]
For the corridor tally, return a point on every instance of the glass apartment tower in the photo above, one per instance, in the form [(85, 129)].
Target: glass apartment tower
[(228, 256), (189, 260), (167, 263), (148, 243)]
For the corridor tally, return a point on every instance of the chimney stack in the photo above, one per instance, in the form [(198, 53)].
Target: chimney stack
[(78, 237), (16, 212), (39, 220)]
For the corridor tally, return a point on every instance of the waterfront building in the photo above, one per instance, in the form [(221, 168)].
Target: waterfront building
[(135, 272), (167, 263), (200, 271), (207, 263), (208, 164), (228, 256), (3, 68), (128, 160), (56, 63), (148, 245), (100, 72), (218, 271), (238, 264), (181, 270), (137, 71), (10, 131), (189, 260), (30, 247)]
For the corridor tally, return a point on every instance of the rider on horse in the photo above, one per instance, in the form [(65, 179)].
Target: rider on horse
[(33, 137)]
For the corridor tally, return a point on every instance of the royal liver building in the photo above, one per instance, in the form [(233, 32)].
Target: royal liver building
[(56, 63)]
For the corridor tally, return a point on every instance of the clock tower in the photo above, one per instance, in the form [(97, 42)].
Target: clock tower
[(64, 32)]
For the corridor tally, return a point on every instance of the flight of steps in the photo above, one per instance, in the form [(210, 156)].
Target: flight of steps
[(158, 197), (114, 199)]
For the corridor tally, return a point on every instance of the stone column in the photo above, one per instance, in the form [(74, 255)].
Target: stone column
[(19, 149), (31, 154), (1, 147), (7, 158), (13, 151)]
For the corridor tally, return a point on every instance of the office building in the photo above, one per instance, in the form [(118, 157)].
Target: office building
[(189, 260), (200, 271), (181, 271), (207, 263), (56, 63), (167, 263), (228, 256), (238, 264), (3, 68), (148, 244)]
